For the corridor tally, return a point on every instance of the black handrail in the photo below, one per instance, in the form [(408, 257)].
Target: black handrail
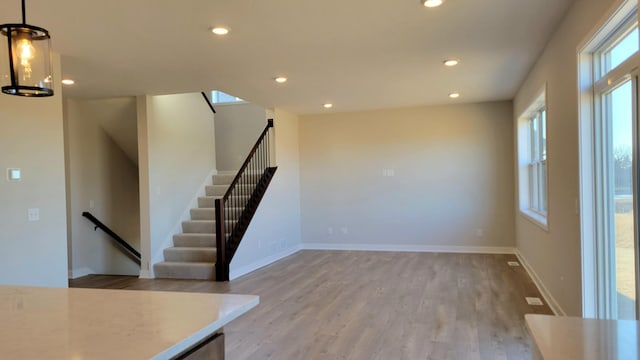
[(133, 252), (206, 98), (245, 165), (239, 203)]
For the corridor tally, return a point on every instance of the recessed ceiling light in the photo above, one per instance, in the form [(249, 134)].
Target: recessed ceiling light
[(281, 79), (451, 62), (327, 105), (454, 95), (431, 3), (68, 82), (220, 30)]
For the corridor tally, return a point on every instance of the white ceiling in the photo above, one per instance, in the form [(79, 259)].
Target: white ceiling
[(358, 54)]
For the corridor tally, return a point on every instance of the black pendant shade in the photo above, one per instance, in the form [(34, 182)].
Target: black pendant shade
[(25, 60)]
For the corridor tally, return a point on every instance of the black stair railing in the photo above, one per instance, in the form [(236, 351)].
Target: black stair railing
[(125, 246), (206, 98), (236, 208)]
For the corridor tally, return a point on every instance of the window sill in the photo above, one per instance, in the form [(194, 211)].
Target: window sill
[(535, 218)]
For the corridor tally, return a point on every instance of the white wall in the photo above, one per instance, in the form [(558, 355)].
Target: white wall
[(237, 129), (554, 255), (31, 138), (274, 231), (103, 180), (176, 155), (453, 168)]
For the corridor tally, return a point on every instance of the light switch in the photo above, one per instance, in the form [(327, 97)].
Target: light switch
[(14, 174), (33, 214)]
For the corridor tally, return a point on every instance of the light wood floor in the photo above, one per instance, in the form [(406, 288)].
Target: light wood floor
[(372, 305)]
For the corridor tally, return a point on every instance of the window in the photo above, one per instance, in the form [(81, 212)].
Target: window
[(532, 160), (608, 67), (538, 163), (219, 97)]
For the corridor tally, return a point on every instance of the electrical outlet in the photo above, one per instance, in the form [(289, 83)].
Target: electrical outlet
[(33, 214)]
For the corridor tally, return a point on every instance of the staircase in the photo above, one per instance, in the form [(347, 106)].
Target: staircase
[(193, 254), (209, 240)]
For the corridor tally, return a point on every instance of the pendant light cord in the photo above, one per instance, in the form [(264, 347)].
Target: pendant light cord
[(24, 16)]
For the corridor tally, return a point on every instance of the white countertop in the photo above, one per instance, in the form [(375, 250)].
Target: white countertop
[(75, 324), (566, 338)]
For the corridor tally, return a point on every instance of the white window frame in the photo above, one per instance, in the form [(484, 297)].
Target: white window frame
[(596, 274), (533, 169)]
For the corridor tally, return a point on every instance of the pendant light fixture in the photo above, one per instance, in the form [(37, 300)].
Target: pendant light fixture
[(25, 59)]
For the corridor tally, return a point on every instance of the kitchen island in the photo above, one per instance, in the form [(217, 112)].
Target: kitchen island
[(569, 338), (75, 324)]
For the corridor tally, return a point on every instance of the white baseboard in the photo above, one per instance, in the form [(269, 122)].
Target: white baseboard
[(551, 301), (411, 248), (243, 270), (77, 273), (146, 274)]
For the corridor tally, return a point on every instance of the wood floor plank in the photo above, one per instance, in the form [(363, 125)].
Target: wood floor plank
[(371, 305)]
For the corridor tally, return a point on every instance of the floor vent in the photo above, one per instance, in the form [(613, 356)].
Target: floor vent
[(513, 263), (534, 301)]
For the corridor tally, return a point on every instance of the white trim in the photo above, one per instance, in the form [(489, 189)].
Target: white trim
[(77, 273), (606, 26), (546, 294), (177, 227), (595, 303), (412, 248), (243, 270), (525, 159), (146, 274), (587, 201), (535, 218)]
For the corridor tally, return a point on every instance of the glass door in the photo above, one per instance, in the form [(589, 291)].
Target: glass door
[(620, 232)]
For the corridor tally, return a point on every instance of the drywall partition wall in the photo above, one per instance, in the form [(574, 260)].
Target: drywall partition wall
[(428, 178), (31, 138), (180, 152), (103, 180), (237, 129), (554, 255), (274, 231)]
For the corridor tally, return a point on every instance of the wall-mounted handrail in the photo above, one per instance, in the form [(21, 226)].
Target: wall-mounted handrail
[(206, 98), (98, 224)]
